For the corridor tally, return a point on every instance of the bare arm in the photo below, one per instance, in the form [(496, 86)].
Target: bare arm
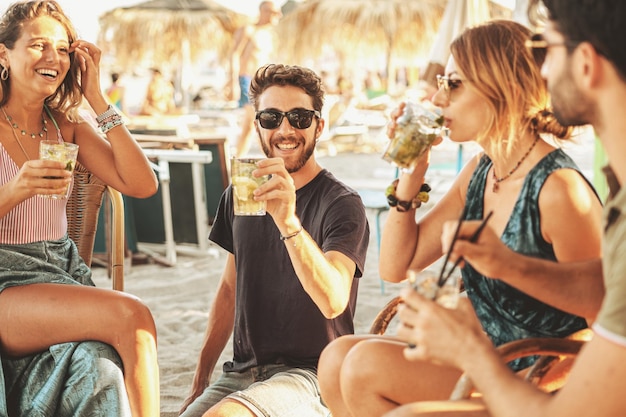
[(219, 328), (455, 337), (30, 181), (410, 243), (573, 284), (326, 277), (240, 38), (415, 244), (118, 160)]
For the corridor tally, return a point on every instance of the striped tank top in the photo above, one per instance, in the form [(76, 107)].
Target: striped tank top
[(35, 218)]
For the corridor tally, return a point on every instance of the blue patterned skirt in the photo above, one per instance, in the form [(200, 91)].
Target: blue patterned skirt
[(68, 379)]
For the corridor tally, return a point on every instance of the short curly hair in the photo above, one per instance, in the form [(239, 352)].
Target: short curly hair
[(279, 74)]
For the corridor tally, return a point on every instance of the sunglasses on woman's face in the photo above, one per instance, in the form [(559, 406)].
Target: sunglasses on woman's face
[(448, 84), (298, 118)]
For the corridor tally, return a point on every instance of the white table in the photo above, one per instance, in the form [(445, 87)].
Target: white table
[(197, 159)]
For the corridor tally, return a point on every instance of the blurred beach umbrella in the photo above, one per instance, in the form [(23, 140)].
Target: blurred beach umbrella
[(167, 32), (395, 31), (458, 15), (289, 5)]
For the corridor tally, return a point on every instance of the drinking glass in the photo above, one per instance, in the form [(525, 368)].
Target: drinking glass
[(52, 150), (425, 283), (416, 130), (244, 185)]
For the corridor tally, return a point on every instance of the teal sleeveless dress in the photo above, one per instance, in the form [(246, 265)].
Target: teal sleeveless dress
[(506, 313)]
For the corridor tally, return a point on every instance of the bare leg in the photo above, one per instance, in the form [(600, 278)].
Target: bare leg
[(34, 317), (229, 408), (466, 408), (243, 143), (375, 378), (328, 369)]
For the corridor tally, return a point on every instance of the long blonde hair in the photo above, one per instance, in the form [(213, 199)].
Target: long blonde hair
[(496, 63)]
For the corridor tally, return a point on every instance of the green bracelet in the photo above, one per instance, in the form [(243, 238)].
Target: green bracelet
[(404, 206)]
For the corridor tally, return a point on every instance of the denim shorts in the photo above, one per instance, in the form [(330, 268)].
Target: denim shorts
[(268, 391)]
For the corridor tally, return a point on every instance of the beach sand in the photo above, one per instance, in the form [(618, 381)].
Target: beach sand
[(180, 296)]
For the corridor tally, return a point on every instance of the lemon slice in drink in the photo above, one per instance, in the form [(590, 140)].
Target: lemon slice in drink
[(243, 188)]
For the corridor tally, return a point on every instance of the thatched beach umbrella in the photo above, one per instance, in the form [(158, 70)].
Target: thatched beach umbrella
[(396, 31), (167, 33), (156, 30)]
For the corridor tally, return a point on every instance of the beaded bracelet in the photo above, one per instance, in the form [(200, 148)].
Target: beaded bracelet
[(110, 124), (404, 206), (109, 119), (110, 111)]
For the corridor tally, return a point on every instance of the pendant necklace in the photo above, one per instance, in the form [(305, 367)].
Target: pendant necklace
[(44, 129), (8, 119), (497, 181)]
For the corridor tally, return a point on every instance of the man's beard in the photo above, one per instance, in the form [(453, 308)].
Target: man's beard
[(569, 106), (291, 165)]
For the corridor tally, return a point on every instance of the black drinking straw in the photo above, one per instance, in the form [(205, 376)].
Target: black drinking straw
[(442, 280)]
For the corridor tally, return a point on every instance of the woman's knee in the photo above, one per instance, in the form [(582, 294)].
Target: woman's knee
[(365, 362), (334, 353), (133, 315)]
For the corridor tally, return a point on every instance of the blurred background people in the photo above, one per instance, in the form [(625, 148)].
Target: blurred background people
[(115, 92), (159, 96), (253, 46)]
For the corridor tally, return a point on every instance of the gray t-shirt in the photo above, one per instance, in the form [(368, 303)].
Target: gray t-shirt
[(611, 321)]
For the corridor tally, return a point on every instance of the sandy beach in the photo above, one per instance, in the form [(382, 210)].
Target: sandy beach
[(179, 296)]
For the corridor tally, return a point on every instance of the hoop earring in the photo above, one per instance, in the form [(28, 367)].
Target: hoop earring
[(4, 74)]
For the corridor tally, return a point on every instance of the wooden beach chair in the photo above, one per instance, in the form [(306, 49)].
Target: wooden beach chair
[(549, 371), (83, 207)]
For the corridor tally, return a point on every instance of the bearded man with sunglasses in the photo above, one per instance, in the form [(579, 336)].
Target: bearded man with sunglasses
[(290, 282)]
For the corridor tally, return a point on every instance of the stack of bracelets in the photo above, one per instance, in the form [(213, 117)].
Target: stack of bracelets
[(404, 206), (109, 119)]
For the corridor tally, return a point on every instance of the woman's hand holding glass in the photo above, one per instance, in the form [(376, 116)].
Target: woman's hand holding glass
[(439, 334), (40, 177), (413, 129)]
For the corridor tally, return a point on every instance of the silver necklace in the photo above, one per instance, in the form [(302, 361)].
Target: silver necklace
[(44, 129), (17, 139)]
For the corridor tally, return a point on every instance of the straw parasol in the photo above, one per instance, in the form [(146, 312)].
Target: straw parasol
[(395, 31), (162, 32)]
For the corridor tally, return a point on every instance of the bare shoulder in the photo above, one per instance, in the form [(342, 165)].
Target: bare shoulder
[(567, 187)]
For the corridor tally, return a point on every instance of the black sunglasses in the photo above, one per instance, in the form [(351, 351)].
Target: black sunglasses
[(298, 118)]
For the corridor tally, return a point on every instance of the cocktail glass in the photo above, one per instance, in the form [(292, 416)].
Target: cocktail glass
[(244, 184), (52, 150), (416, 130)]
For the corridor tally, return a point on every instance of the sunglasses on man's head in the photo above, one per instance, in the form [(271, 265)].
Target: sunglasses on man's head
[(537, 41), (298, 118)]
